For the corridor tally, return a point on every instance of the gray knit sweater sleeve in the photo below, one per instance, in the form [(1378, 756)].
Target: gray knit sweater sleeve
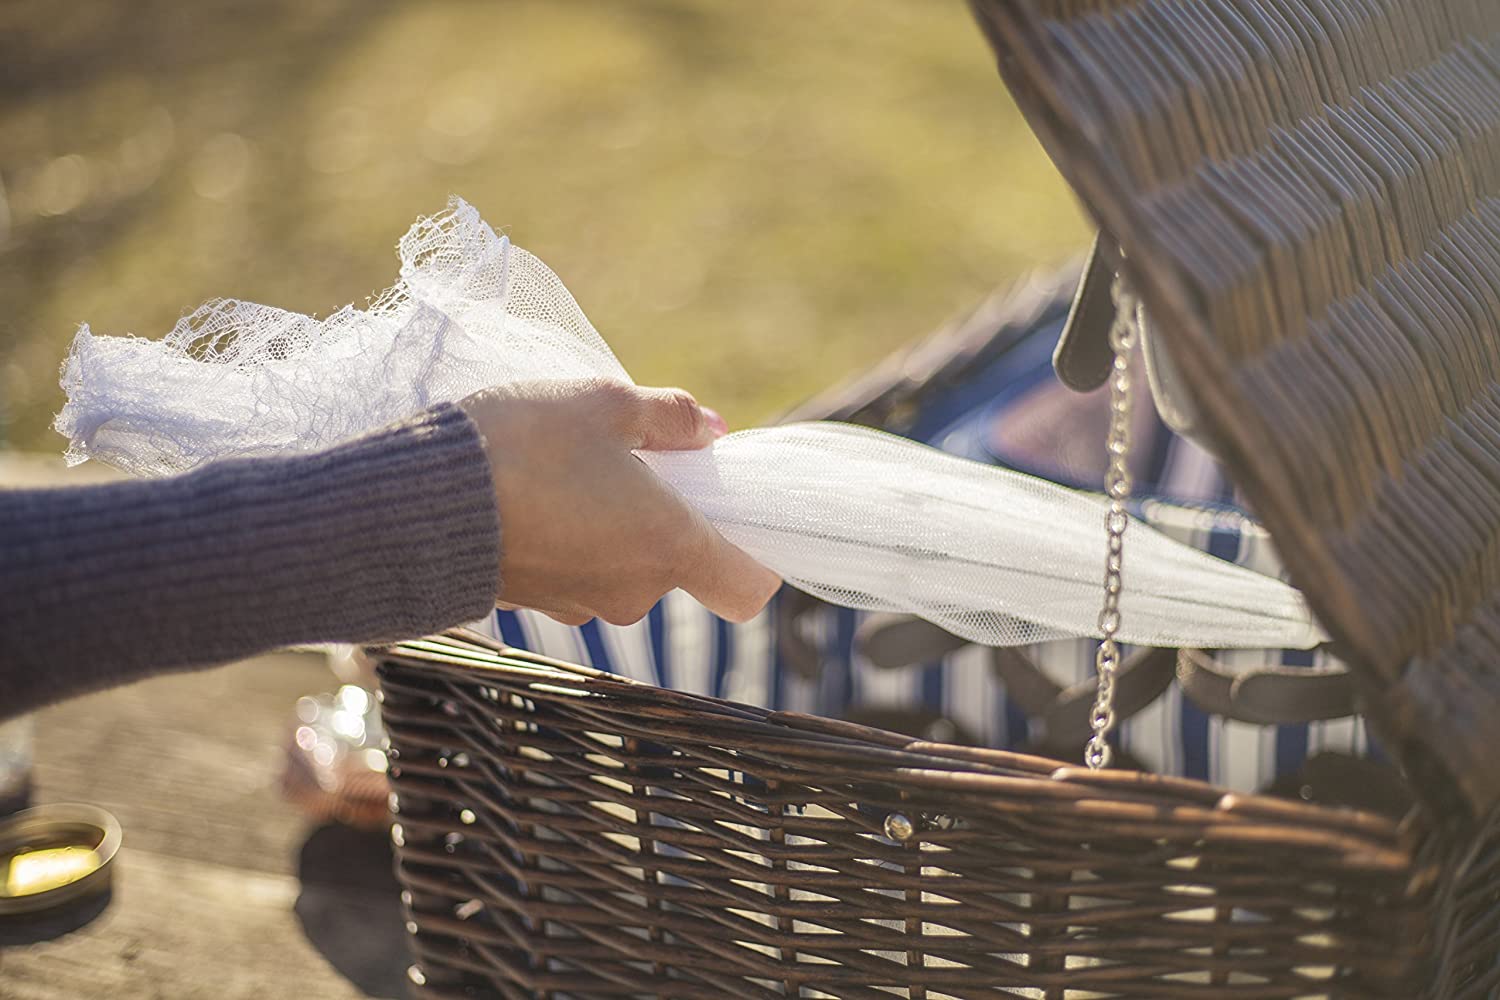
[(389, 536)]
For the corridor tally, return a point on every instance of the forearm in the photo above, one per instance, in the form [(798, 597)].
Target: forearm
[(391, 536)]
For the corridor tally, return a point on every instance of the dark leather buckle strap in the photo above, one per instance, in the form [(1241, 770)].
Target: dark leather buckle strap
[(1065, 711), (893, 641), (1266, 696), (1082, 358)]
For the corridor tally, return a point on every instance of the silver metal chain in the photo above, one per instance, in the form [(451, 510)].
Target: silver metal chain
[(1117, 485)]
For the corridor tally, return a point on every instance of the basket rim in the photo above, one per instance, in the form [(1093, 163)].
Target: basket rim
[(997, 778)]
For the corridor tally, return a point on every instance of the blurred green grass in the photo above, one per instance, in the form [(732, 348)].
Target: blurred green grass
[(748, 199)]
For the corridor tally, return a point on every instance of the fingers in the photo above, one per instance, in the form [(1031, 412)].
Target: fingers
[(616, 613), (672, 420), (571, 494), (645, 417), (571, 619), (720, 576), (726, 580), (572, 615)]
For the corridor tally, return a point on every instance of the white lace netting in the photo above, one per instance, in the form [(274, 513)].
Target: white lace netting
[(855, 516)]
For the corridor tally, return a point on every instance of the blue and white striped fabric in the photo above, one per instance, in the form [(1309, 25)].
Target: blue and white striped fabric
[(681, 645)]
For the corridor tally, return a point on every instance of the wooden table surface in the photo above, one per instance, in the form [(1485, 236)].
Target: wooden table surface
[(221, 890)]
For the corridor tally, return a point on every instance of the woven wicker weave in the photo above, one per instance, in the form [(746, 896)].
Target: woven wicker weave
[(566, 834), (1307, 194)]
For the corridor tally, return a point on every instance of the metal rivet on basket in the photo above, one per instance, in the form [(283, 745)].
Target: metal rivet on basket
[(899, 827)]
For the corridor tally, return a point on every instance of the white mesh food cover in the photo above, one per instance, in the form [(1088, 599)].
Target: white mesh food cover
[(853, 515)]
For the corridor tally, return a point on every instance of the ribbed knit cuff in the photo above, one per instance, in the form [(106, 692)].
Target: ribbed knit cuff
[(390, 536)]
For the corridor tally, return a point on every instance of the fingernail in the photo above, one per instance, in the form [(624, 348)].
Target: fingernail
[(715, 421)]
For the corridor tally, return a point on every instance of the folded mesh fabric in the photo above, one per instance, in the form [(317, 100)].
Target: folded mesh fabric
[(680, 644), (849, 514), (858, 517)]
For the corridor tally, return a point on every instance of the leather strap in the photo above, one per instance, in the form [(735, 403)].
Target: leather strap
[(1065, 711), (801, 656), (1025, 683), (1083, 357), (1269, 695), (892, 641)]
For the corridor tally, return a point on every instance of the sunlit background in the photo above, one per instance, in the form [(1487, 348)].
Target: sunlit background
[(749, 199)]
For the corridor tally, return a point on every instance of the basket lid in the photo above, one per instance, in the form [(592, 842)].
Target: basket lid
[(1306, 194)]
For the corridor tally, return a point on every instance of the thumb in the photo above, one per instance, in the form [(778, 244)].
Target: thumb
[(725, 579), (672, 420)]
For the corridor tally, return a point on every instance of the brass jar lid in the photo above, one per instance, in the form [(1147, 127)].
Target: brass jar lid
[(55, 854)]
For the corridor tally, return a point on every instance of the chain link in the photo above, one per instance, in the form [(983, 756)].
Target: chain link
[(1117, 485)]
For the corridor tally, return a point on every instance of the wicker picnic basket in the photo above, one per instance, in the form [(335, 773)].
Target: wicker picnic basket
[(1307, 194)]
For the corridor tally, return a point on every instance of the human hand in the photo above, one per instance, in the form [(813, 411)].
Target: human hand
[(586, 529)]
